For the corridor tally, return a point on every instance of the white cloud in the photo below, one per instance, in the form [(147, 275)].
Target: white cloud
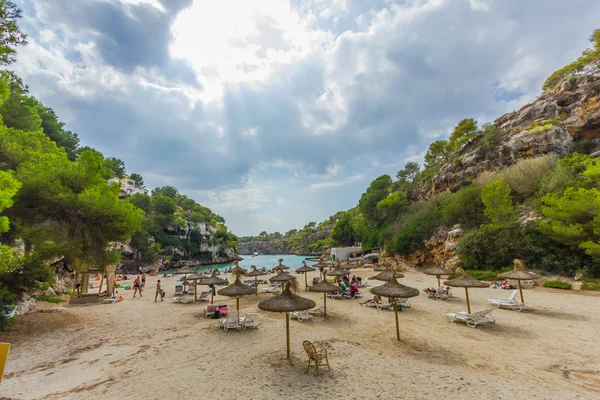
[(345, 181), (240, 199)]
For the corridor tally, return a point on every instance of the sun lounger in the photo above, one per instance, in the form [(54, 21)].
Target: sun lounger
[(272, 289), (300, 315), (365, 283), (232, 321), (403, 302), (382, 306), (249, 321), (178, 290), (9, 311), (110, 300), (204, 296), (316, 311), (477, 318), (511, 302)]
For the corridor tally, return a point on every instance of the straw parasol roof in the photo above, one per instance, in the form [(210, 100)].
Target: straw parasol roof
[(380, 267), (212, 280), (305, 268), (185, 270), (287, 302), (339, 272), (237, 289), (324, 287), (394, 289), (255, 273), (519, 274), (437, 271), (238, 268), (196, 276), (281, 266), (387, 275), (466, 282), (281, 277)]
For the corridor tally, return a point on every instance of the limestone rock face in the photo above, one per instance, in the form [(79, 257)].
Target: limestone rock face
[(551, 124)]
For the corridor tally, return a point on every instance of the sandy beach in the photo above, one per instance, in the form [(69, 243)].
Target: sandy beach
[(139, 349)]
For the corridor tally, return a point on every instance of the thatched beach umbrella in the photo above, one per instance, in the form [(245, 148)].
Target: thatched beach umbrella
[(185, 270), (281, 277), (465, 281), (394, 290), (255, 273), (437, 271), (281, 266), (519, 274), (287, 302), (325, 287), (238, 269), (304, 269), (196, 277), (380, 267), (387, 275), (237, 289), (213, 280)]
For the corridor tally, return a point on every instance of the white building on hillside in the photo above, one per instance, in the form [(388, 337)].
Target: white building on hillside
[(128, 187), (342, 253)]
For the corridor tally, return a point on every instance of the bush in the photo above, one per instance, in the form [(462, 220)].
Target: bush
[(524, 177), (7, 300), (481, 249), (591, 284), (463, 207), (558, 285), (50, 299)]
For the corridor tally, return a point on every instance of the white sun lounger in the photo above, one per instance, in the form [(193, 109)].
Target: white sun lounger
[(110, 300), (232, 321), (511, 302), (300, 315), (383, 306), (204, 296), (315, 311), (249, 321), (272, 289), (9, 311), (477, 318)]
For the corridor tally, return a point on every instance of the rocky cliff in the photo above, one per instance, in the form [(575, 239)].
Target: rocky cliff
[(193, 244), (305, 246), (555, 123)]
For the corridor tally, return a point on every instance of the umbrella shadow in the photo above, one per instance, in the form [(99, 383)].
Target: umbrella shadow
[(512, 332)]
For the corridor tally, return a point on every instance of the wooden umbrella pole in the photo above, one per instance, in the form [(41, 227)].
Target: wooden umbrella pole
[(237, 301), (439, 285), (468, 304), (212, 293), (521, 291), (287, 333), (324, 304), (305, 282), (396, 312), (195, 290)]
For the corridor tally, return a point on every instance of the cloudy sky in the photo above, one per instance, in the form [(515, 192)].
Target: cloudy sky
[(275, 113)]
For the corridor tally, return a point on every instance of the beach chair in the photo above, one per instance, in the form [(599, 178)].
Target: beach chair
[(477, 318), (403, 302), (511, 302), (365, 283), (382, 306), (110, 300), (316, 311), (232, 321), (318, 358), (338, 295), (209, 311), (204, 296), (300, 315), (275, 289), (178, 290), (249, 321)]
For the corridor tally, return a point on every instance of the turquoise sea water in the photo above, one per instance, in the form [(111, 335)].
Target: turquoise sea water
[(268, 261)]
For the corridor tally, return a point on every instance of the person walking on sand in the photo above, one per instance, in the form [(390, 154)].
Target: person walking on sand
[(144, 279), (159, 291), (137, 286)]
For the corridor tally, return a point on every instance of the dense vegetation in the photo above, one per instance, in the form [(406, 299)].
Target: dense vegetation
[(313, 238), (55, 200), (564, 238)]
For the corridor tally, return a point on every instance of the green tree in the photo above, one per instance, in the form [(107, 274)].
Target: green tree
[(168, 191), (377, 191), (589, 57), (409, 172), (439, 152), (499, 206), (464, 131), (10, 36), (343, 233), (116, 166), (54, 129), (139, 180), (393, 205), (291, 232)]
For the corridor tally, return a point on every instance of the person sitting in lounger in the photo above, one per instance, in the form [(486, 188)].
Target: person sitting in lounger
[(505, 285), (429, 290), (375, 300), (353, 290)]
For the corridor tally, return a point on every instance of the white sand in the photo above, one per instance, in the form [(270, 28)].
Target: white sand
[(138, 349)]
